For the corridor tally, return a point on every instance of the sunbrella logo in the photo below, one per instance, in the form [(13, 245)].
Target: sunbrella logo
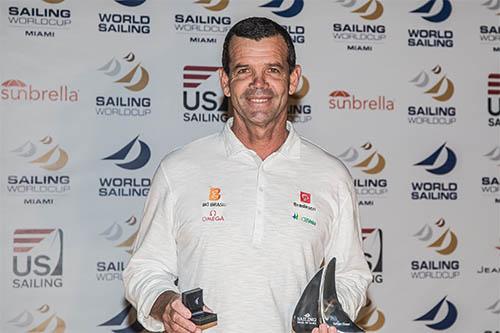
[(52, 160), (443, 241), (450, 316), (125, 23), (373, 245), (370, 318), (341, 100), (124, 322), (441, 91), (40, 320), (298, 112), (440, 168), (17, 90), (130, 3), (215, 6), (122, 235), (114, 67), (201, 97), (370, 162), (37, 259), (494, 98), (369, 10), (138, 162), (292, 10), (434, 13)]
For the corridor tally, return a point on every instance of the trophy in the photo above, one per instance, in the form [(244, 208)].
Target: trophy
[(319, 305), (193, 300)]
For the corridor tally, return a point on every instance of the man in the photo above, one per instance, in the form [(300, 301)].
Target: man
[(248, 214)]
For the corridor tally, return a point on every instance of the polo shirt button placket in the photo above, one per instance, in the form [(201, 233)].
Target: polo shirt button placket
[(259, 209)]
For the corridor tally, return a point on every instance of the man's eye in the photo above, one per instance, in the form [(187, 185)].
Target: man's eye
[(242, 71), (274, 70)]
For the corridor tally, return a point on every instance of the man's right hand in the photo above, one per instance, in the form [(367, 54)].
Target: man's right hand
[(169, 309)]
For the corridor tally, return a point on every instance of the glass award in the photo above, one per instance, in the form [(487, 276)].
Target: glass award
[(319, 305)]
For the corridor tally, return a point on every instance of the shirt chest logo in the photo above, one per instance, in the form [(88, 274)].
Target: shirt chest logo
[(304, 211), (305, 202), (212, 211)]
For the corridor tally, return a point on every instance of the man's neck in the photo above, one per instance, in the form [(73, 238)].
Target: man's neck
[(263, 140)]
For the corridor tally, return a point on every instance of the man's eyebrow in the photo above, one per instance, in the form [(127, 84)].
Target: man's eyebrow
[(275, 64)]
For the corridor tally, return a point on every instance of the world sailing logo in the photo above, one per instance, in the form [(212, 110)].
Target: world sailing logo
[(138, 162), (436, 17), (447, 166), (449, 319), (291, 11)]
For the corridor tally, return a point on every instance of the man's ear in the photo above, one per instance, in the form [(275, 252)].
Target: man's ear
[(224, 82), (294, 79)]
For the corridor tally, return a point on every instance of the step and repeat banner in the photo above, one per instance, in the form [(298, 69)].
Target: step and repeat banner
[(94, 93)]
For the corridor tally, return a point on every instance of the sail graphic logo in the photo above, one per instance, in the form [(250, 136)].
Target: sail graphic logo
[(125, 23), (489, 35), (361, 36), (447, 166), (37, 260), (283, 11), (494, 99), (18, 91), (341, 100), (47, 155), (122, 235), (132, 76), (449, 313), (441, 162), (215, 6), (433, 13), (490, 185), (40, 320), (44, 22), (429, 13), (373, 248), (298, 111), (202, 98), (441, 90), (370, 162), (494, 308), (370, 318), (130, 3), (124, 322), (127, 186), (442, 241)]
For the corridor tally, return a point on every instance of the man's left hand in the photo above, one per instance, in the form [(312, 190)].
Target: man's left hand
[(323, 328)]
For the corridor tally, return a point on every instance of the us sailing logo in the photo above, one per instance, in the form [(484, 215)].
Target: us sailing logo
[(294, 9), (445, 166), (435, 14), (215, 6), (40, 320), (138, 162), (369, 10), (37, 260), (138, 73), (124, 322), (373, 245), (449, 318)]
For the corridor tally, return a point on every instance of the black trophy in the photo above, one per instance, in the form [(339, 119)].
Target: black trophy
[(319, 305), (193, 300)]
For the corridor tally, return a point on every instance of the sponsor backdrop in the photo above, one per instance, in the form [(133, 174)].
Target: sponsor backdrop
[(94, 94)]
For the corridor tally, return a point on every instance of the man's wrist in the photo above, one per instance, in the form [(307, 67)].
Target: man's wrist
[(161, 303)]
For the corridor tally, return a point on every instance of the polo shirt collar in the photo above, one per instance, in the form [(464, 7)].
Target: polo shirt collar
[(290, 148)]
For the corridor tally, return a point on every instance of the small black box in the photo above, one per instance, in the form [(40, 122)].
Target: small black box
[(193, 300)]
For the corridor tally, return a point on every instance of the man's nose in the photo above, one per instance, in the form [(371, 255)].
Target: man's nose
[(259, 80)]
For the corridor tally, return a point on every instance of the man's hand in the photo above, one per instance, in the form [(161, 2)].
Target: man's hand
[(323, 328), (169, 309)]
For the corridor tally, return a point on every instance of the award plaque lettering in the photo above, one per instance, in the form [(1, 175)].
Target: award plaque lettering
[(319, 305), (193, 300)]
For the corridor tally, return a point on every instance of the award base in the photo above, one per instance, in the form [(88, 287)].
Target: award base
[(319, 305), (193, 300)]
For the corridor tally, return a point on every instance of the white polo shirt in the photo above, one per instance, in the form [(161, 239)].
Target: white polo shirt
[(250, 233)]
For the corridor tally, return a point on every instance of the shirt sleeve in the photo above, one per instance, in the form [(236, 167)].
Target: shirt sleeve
[(352, 273), (152, 268)]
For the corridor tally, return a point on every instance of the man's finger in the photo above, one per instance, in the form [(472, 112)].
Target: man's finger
[(181, 309), (186, 324), (176, 328)]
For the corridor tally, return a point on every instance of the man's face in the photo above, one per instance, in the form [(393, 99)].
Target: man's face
[(259, 81)]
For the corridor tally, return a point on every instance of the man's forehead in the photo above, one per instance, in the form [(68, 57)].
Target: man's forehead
[(274, 45)]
